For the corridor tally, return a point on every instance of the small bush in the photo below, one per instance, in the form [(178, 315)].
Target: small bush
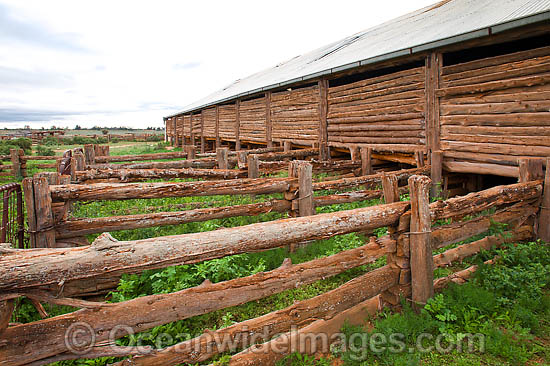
[(44, 151)]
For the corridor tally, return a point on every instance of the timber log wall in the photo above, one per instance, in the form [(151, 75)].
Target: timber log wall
[(482, 105)]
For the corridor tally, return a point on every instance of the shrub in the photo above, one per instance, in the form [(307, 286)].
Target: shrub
[(44, 151)]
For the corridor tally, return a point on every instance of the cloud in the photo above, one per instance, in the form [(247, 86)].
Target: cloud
[(13, 78), (30, 115), (187, 66), (13, 28)]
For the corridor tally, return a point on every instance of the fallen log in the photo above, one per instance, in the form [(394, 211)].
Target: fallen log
[(129, 175), (324, 306), (315, 338), (147, 312), (79, 227), (125, 191), (449, 234), (484, 200), (35, 268), (467, 250)]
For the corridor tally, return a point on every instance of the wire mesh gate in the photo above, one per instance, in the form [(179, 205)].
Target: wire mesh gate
[(11, 204)]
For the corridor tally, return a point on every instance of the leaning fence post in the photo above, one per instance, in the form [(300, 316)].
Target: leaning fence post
[(89, 154), (253, 166), (420, 240), (222, 154), (354, 152), (15, 163), (45, 234), (80, 161), (544, 216)]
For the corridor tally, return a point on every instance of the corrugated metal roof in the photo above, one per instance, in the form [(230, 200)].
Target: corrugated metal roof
[(446, 22)]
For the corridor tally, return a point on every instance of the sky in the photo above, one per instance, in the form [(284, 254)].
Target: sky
[(130, 63)]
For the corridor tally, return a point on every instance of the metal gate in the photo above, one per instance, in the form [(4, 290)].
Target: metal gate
[(12, 229)]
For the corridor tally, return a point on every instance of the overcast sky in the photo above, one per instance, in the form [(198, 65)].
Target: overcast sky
[(129, 63)]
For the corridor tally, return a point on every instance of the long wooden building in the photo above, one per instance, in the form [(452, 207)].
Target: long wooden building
[(468, 78)]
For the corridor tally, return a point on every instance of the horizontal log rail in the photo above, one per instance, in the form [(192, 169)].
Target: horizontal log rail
[(142, 174), (368, 179), (155, 156), (124, 191), (42, 267), (79, 227)]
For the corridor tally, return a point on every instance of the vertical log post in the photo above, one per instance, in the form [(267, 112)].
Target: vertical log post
[(366, 161), (222, 155), (287, 146), (268, 126), (305, 189), (6, 310), (420, 241), (15, 164), (174, 132), (390, 188), (530, 169), (544, 216), (354, 152), (28, 194), (190, 152), (191, 133), (177, 140), (436, 173), (22, 163), (242, 159), (80, 161), (237, 125), (323, 124), (398, 257), (45, 233), (419, 158), (203, 140), (89, 154), (253, 166), (218, 141)]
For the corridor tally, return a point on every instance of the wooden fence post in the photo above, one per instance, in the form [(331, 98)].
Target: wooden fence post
[(436, 173), (218, 140), (419, 158), (253, 166), (242, 159), (80, 161), (222, 155), (28, 194), (354, 152), (530, 169), (397, 257), (305, 189), (15, 163), (89, 154), (190, 151), (287, 146), (544, 216), (366, 161), (390, 187), (45, 233), (420, 240)]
